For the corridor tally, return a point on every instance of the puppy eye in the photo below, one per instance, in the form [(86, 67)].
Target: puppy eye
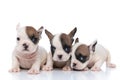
[(67, 49), (53, 49), (81, 58), (18, 39), (34, 39)]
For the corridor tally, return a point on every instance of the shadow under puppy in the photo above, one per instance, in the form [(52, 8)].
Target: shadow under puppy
[(61, 46), (89, 56), (27, 53)]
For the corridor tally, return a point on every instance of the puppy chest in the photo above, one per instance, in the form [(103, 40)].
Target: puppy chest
[(59, 64), (26, 63)]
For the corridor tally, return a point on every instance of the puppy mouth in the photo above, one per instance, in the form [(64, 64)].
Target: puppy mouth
[(25, 50), (60, 60)]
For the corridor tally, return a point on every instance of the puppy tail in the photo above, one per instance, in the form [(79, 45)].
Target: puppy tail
[(108, 61)]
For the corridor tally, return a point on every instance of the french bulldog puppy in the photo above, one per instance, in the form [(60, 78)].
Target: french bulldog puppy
[(61, 46), (27, 54), (89, 56)]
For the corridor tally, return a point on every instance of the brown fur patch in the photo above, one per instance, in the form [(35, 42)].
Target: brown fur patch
[(77, 40), (32, 34), (65, 40), (72, 33), (83, 50)]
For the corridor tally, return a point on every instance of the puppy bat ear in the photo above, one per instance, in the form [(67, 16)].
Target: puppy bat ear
[(40, 30), (72, 33), (77, 40), (50, 35), (92, 46), (18, 26)]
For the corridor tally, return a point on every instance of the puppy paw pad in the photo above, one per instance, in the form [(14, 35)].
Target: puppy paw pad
[(33, 71), (111, 65), (47, 68), (85, 69), (66, 68), (96, 69), (14, 70)]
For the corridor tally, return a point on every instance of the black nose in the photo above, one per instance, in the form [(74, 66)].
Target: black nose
[(74, 64), (59, 56), (25, 46)]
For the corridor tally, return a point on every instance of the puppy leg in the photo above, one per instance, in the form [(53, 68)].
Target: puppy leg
[(97, 66), (67, 66), (15, 65), (108, 62), (35, 69), (49, 63)]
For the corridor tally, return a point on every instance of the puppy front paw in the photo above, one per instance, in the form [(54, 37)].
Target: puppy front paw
[(34, 71), (111, 65), (17, 69), (66, 68), (85, 69), (47, 68), (95, 69)]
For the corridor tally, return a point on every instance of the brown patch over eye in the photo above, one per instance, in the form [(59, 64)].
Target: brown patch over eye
[(32, 34), (82, 53), (66, 42)]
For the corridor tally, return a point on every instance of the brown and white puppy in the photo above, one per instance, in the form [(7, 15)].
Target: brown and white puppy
[(61, 46), (27, 54), (89, 56)]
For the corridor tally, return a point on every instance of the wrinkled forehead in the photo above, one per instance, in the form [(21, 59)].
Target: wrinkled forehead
[(83, 50), (21, 31), (61, 40)]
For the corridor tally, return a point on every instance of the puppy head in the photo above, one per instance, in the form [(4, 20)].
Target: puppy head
[(61, 45), (27, 39), (81, 55)]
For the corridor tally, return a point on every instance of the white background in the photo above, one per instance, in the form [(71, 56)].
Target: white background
[(94, 19)]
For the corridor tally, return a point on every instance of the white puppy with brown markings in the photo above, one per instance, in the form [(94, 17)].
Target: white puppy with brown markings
[(27, 54), (61, 46), (89, 56)]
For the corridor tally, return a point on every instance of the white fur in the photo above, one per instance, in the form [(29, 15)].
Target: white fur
[(95, 61), (32, 59)]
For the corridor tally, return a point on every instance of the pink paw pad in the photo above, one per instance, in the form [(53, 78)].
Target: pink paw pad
[(96, 69), (111, 65), (33, 71), (14, 70), (66, 68), (47, 68)]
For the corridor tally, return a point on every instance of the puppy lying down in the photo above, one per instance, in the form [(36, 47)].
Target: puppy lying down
[(90, 56), (27, 54)]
